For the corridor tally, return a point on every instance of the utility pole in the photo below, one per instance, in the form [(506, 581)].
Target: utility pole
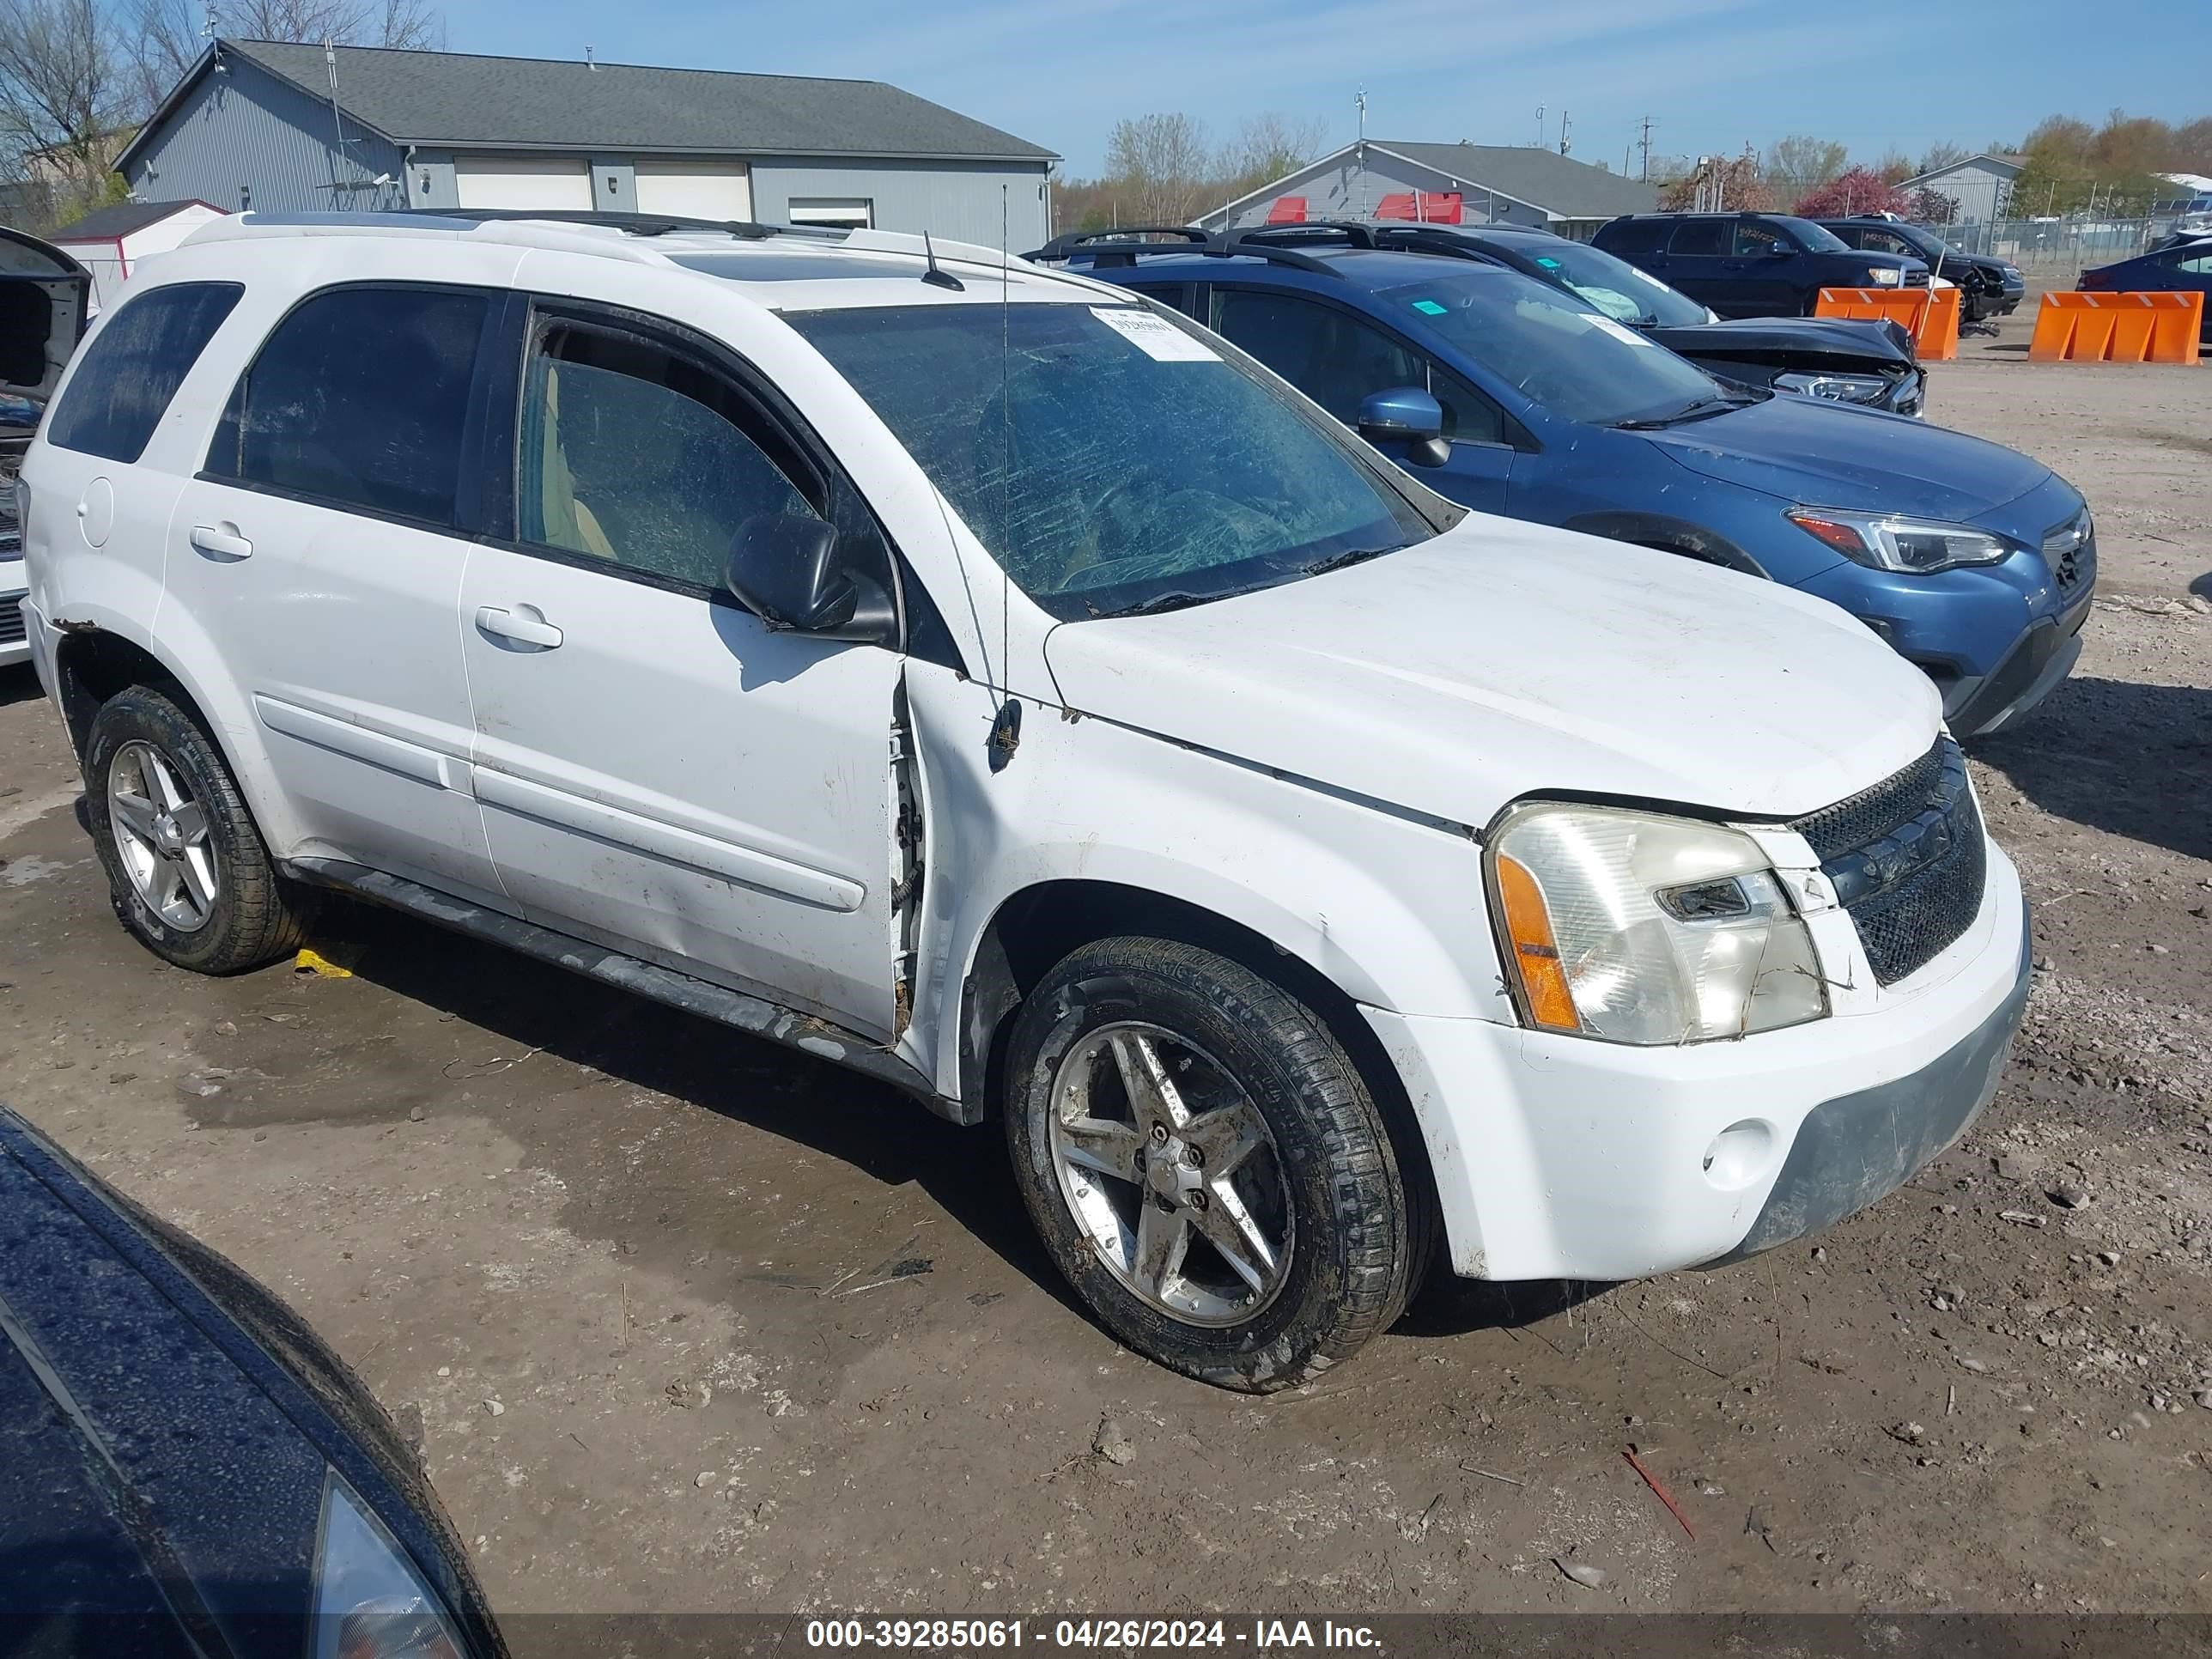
[(1644, 144), (1539, 126), (1567, 130), (1360, 98)]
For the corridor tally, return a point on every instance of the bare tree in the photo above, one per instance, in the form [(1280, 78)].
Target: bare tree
[(1265, 148), (1158, 166), (167, 36), (64, 100), (1800, 163), (1936, 157)]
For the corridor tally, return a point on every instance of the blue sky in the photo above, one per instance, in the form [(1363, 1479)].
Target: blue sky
[(1714, 73)]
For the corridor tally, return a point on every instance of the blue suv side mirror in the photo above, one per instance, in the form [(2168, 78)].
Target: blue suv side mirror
[(1409, 415)]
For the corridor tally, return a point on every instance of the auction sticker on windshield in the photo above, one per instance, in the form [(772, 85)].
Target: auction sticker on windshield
[(1156, 337)]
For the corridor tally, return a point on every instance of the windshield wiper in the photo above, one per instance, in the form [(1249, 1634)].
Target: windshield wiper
[(1690, 412), (1160, 602), (1337, 561)]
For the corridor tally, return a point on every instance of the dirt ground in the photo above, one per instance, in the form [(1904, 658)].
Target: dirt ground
[(650, 1292)]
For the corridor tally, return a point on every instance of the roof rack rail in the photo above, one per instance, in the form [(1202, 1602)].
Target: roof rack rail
[(1256, 244), (1350, 231), (633, 224), (1069, 242)]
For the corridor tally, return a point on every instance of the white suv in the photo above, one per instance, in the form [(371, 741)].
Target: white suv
[(969, 673)]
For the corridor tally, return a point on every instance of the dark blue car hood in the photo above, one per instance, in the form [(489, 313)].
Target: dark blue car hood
[(1822, 454)]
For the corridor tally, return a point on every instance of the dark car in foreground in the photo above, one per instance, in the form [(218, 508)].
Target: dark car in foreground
[(187, 1469), (1849, 360), (1520, 397), (1752, 265), (1988, 287), (2184, 268)]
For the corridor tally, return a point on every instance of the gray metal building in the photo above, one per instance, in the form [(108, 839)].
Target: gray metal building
[(1452, 184), (1980, 187), (259, 125)]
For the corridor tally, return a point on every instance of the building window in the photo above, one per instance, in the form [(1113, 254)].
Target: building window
[(842, 212)]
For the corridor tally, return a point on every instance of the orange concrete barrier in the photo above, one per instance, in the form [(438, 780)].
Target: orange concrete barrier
[(1936, 338), (1929, 315), (2118, 328)]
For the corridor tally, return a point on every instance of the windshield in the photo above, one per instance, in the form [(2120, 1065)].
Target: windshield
[(1615, 287), (1112, 460), (1817, 239), (1573, 360)]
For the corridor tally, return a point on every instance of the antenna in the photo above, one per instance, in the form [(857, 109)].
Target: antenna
[(1007, 724), (935, 278)]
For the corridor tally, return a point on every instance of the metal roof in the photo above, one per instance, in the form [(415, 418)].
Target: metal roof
[(1561, 185), (108, 223), (458, 100)]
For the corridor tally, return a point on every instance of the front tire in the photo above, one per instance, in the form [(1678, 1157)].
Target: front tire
[(1206, 1165), (189, 871)]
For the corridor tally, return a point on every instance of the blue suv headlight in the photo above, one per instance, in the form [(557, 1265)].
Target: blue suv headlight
[(1918, 547)]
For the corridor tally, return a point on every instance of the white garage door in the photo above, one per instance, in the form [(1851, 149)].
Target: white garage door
[(696, 189), (522, 181)]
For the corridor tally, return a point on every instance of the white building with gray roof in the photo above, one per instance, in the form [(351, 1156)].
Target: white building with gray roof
[(284, 128)]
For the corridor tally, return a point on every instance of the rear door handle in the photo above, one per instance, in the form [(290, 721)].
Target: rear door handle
[(524, 626), (222, 541)]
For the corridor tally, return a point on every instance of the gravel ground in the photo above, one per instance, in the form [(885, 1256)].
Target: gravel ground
[(685, 1322)]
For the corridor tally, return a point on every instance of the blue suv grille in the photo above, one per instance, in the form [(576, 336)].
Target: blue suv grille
[(1908, 861)]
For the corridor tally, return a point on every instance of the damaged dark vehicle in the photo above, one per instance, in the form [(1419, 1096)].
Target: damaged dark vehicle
[(1869, 363)]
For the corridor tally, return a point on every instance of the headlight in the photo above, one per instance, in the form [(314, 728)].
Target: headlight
[(1885, 275), (370, 1603), (1632, 928), (1918, 546), (1841, 388)]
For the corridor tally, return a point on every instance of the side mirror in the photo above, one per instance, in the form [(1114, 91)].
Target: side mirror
[(1779, 251), (786, 570), (1408, 416)]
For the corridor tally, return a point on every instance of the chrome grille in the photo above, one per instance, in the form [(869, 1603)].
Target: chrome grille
[(1908, 861)]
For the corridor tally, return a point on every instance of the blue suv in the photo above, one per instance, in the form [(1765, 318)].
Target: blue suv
[(1515, 396)]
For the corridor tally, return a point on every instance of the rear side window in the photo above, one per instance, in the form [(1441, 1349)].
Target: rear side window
[(134, 365), (359, 398), (1632, 235), (1700, 236)]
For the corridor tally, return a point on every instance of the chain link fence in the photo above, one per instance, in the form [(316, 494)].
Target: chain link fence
[(2055, 245)]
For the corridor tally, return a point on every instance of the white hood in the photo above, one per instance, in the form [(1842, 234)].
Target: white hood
[(1506, 659)]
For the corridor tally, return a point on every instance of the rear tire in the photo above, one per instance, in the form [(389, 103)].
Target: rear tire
[(1157, 1094), (189, 871)]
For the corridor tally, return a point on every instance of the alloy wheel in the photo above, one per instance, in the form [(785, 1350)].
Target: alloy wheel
[(161, 833), (1170, 1170)]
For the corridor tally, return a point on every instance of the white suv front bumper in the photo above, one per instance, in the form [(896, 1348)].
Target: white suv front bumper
[(1562, 1157)]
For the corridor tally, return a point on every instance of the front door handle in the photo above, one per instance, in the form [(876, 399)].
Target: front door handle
[(222, 542), (525, 625)]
